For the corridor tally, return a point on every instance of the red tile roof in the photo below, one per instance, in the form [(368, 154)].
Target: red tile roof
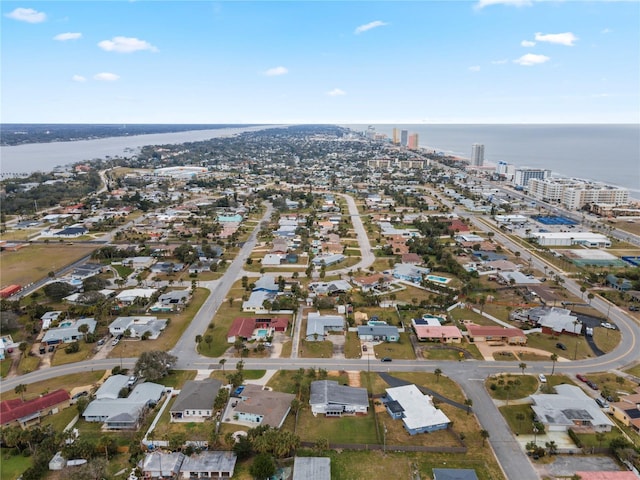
[(11, 410), (484, 331), (242, 327)]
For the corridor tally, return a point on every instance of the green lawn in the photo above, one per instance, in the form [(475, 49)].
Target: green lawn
[(635, 371), (592, 440), (606, 339), (320, 349), (402, 350), (176, 378), (520, 386), (5, 365), (523, 426), (12, 466), (60, 420), (612, 384), (358, 429), (548, 343), (352, 346)]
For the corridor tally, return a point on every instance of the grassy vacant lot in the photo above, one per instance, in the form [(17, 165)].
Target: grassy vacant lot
[(60, 357), (548, 343), (319, 349), (5, 365), (402, 350), (634, 370), (591, 440), (606, 339), (178, 322), (460, 314), (35, 261), (358, 429), (520, 386), (612, 384), (60, 420), (193, 430), (12, 466), (67, 382), (352, 346)]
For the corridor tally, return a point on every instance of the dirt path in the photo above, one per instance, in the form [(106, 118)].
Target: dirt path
[(354, 378)]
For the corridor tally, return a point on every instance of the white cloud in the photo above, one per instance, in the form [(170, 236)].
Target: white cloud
[(499, 62), (531, 59), (78, 78), (514, 3), (126, 45), (474, 68), (63, 37), (566, 38), (527, 43), (28, 15), (106, 77), (275, 71), (336, 92), (606, 30), (369, 26)]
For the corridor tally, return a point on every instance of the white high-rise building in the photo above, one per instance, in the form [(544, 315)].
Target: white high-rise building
[(477, 154), (524, 174)]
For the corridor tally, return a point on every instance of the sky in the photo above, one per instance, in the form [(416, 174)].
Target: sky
[(481, 61)]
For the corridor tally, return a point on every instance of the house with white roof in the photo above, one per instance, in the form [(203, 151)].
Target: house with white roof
[(320, 325), (415, 409), (68, 331), (128, 297), (138, 326), (409, 272), (49, 317)]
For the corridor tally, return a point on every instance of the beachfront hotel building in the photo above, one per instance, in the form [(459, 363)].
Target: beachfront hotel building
[(523, 175), (477, 154), (396, 136), (413, 142), (574, 194), (404, 136)]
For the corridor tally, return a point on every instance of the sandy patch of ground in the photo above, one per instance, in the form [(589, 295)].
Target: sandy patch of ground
[(354, 379)]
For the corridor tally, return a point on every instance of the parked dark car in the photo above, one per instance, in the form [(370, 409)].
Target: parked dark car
[(52, 348), (592, 385), (386, 359), (634, 308), (561, 346)]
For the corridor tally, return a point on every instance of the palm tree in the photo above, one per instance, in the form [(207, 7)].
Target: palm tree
[(484, 435), (522, 367), (222, 362), (520, 417), (437, 372), (469, 403), (554, 359), (20, 389)]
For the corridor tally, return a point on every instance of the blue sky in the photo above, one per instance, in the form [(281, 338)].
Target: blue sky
[(486, 61)]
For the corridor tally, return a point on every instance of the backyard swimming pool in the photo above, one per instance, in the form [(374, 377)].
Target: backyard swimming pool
[(437, 279)]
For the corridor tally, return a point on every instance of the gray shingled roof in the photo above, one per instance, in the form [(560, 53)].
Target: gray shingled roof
[(197, 395), (331, 392)]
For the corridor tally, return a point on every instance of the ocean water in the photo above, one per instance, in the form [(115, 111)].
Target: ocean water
[(605, 153)]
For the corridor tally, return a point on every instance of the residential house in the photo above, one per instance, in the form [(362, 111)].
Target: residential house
[(627, 410), (568, 408), (481, 333), (256, 301), (138, 326), (409, 272), (129, 297), (266, 283), (273, 259), (256, 328), (311, 468), (320, 325), (335, 287), (433, 333), (554, 321), (454, 474), (412, 259), (171, 301), (263, 407), (378, 333), (375, 282), (7, 345), (167, 267), (331, 399), (194, 403), (49, 317), (123, 413), (516, 278), (328, 260), (209, 464), (71, 232), (25, 413), (87, 270), (415, 409), (161, 465), (139, 263), (68, 331), (619, 283)]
